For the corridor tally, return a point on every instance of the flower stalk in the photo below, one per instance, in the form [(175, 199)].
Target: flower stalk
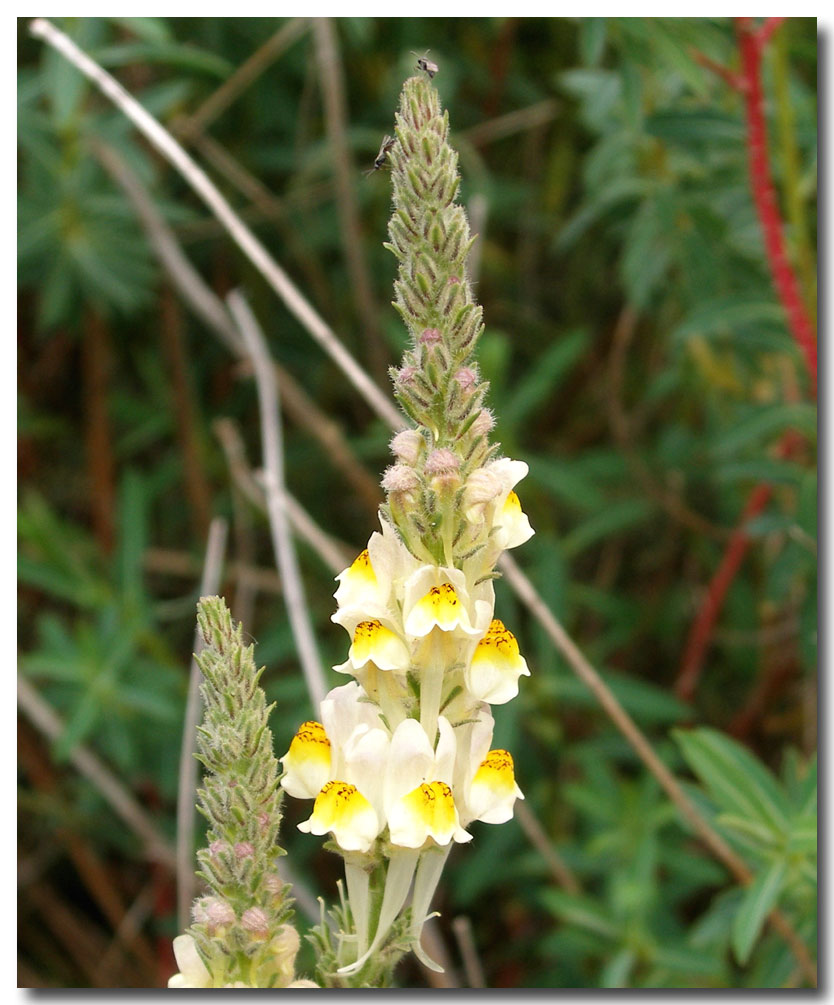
[(241, 935), (399, 763)]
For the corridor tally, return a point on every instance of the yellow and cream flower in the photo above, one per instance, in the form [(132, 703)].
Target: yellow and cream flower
[(307, 762), (338, 763), (341, 810), (419, 802), (438, 597), (493, 790), (484, 779), (493, 672), (373, 641)]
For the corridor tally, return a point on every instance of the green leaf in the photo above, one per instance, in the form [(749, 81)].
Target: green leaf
[(545, 377), (565, 482), (765, 423), (580, 911), (724, 314), (612, 519), (734, 778), (758, 901), (618, 969)]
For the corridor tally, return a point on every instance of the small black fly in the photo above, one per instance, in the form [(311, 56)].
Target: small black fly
[(387, 143), (426, 65)]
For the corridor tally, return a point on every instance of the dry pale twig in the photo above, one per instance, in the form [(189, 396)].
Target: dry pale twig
[(240, 233), (187, 787), (273, 483), (537, 836), (462, 927), (334, 554), (244, 76), (211, 310)]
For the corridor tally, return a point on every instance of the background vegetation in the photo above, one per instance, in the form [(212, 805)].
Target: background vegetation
[(641, 361)]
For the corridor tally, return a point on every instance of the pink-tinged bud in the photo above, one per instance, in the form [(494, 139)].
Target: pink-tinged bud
[(243, 849), (453, 280), (400, 480), (219, 914), (255, 921), (405, 377), (273, 884), (484, 423), (216, 848), (407, 446), (430, 336), (443, 471), (466, 378), (263, 820), (442, 462)]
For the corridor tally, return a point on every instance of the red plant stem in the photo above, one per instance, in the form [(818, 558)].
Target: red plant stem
[(751, 44)]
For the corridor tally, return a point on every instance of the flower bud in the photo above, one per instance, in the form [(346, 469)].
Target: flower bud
[(484, 423), (243, 849), (256, 922), (442, 470), (407, 446), (430, 336), (466, 379), (400, 481), (219, 914)]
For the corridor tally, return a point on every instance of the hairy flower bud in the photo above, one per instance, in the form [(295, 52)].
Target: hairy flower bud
[(407, 446), (400, 480), (256, 922), (218, 914)]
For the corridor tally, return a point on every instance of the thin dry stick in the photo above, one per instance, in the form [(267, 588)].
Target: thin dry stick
[(334, 554), (623, 721), (244, 76), (188, 774), (462, 927), (273, 483), (238, 231), (270, 208), (537, 836), (513, 122), (171, 562), (44, 719), (211, 310), (335, 108)]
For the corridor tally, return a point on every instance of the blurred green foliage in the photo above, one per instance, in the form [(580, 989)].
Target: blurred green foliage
[(639, 361)]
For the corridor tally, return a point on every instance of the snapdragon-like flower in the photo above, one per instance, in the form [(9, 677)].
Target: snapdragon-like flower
[(401, 762)]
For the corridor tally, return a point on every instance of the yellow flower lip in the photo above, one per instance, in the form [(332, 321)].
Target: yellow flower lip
[(497, 769), (341, 809), (372, 641), (496, 665), (493, 791), (440, 607), (498, 638), (309, 738), (428, 811), (307, 762)]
